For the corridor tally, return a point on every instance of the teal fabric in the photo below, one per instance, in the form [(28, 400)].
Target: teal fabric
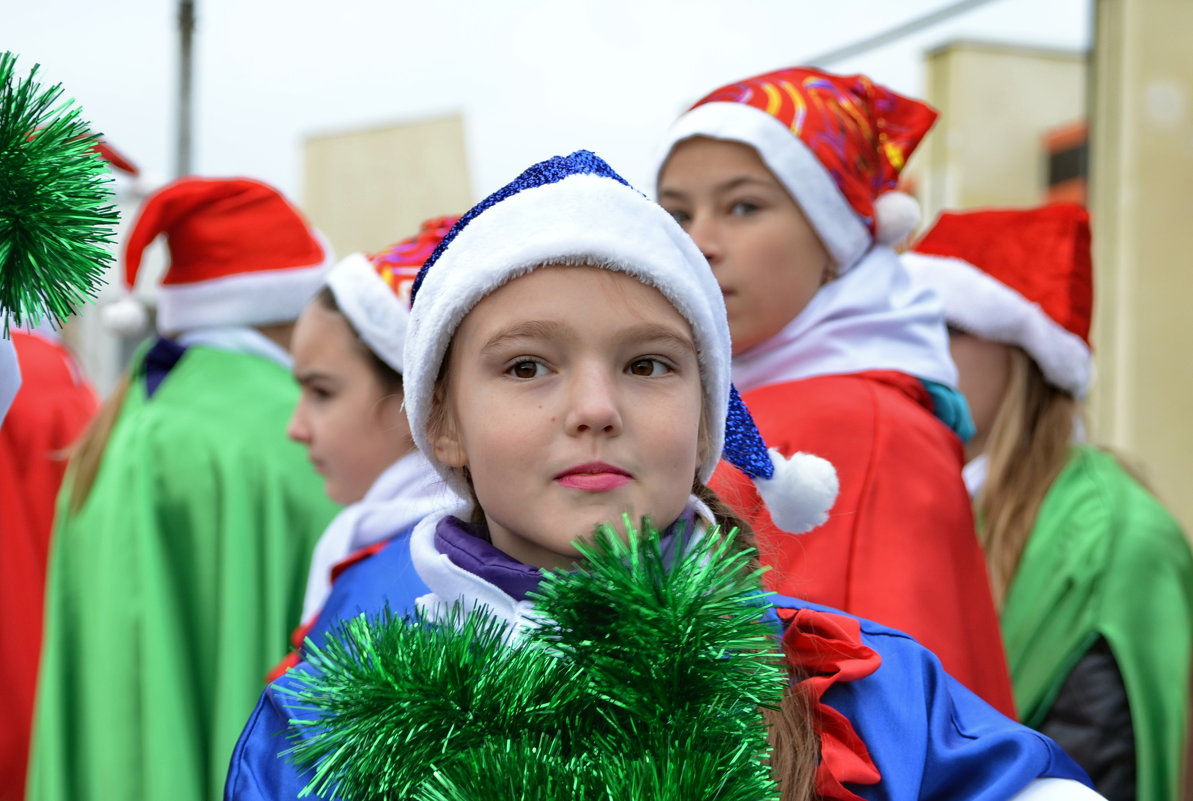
[(951, 408)]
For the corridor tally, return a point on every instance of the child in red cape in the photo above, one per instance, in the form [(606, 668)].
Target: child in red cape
[(784, 181)]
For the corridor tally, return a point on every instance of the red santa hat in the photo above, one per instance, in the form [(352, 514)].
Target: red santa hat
[(373, 290), (1019, 276), (240, 254), (836, 143)]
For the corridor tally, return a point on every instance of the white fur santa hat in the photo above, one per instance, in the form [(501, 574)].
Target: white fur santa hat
[(836, 143), (577, 210), (372, 291), (1018, 276), (240, 255)]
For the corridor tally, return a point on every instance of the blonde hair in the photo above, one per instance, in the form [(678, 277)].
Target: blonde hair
[(88, 453), (1027, 448)]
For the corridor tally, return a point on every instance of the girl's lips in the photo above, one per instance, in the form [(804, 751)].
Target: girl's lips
[(594, 477), (593, 482)]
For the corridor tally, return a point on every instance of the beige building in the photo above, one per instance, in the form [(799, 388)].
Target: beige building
[(1011, 133), (365, 189), (998, 106)]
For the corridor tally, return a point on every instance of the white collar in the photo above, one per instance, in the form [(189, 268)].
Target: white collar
[(449, 582), (871, 318), (238, 339), (406, 492)]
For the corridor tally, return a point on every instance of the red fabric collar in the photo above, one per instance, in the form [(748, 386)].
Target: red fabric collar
[(828, 649)]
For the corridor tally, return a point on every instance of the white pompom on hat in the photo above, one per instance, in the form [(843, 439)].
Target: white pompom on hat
[(577, 210)]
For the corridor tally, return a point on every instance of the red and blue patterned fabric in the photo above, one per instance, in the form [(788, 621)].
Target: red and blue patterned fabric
[(860, 132)]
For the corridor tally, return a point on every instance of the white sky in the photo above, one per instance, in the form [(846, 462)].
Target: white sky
[(532, 78)]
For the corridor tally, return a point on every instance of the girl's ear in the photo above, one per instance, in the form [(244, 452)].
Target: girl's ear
[(448, 448), (444, 434)]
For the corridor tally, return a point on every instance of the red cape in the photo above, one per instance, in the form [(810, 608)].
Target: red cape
[(48, 414), (899, 547)]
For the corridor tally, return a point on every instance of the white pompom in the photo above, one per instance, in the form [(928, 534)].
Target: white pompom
[(126, 317), (896, 214), (801, 492)]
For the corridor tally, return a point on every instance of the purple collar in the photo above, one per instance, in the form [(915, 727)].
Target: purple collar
[(468, 547)]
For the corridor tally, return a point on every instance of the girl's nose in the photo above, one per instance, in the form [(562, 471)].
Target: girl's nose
[(593, 406), (703, 230), (297, 429)]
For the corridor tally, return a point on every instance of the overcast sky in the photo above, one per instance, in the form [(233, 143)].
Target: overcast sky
[(532, 78)]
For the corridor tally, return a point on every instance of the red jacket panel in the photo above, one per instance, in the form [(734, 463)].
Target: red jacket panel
[(899, 547), (50, 411)]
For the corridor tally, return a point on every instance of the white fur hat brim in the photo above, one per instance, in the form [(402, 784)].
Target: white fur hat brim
[(979, 304), (841, 231), (578, 219), (375, 311)]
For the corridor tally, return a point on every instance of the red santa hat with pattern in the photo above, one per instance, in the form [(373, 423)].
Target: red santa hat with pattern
[(837, 143), (1019, 276), (240, 255), (373, 290)]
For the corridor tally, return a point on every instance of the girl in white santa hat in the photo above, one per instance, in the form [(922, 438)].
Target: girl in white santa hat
[(347, 350), (567, 365)]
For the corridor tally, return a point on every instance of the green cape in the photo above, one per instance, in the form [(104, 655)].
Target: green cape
[(171, 593), (1105, 559)]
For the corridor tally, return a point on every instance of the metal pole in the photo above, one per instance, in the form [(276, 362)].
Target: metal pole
[(186, 30), (894, 34)]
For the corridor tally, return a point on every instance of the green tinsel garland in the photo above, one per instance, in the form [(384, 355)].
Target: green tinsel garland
[(57, 220), (645, 681)]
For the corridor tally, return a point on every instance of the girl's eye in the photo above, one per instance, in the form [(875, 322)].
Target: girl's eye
[(527, 369), (320, 394), (681, 217), (743, 208), (648, 368)]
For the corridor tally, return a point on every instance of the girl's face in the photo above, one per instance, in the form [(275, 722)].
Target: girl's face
[(352, 425), (767, 258), (573, 395), (984, 371)]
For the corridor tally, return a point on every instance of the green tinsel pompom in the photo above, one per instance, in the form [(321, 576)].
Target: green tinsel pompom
[(396, 697), (645, 679), (57, 220)]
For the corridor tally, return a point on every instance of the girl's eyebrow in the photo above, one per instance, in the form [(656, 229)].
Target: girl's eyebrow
[(721, 188), (654, 333), (530, 329), (307, 376), (659, 334)]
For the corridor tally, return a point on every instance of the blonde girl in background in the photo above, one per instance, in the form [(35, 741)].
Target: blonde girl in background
[(1093, 576)]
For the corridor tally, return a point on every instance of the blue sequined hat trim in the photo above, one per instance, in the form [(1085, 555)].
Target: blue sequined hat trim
[(553, 170), (744, 447)]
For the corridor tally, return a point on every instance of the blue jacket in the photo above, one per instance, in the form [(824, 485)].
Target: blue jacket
[(927, 735), (387, 578)]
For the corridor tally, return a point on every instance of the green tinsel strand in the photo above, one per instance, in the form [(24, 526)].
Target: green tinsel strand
[(526, 769), (425, 690), (57, 221), (645, 682), (699, 608), (672, 637)]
